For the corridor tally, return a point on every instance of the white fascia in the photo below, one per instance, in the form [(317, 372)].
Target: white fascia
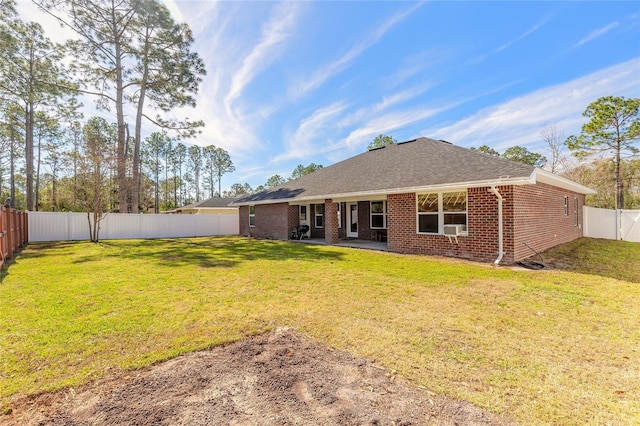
[(543, 176)]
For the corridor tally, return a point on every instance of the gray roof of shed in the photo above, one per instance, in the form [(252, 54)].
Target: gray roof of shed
[(406, 166)]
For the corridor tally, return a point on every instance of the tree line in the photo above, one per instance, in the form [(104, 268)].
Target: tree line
[(128, 55)]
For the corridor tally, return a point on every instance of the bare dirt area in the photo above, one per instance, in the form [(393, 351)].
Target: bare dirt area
[(277, 378)]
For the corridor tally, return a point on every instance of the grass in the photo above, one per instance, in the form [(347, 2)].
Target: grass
[(541, 347), (598, 257)]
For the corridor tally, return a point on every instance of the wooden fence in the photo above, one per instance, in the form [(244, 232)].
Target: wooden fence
[(14, 232)]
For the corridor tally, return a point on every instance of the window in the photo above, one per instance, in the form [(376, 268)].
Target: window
[(566, 205), (339, 215), (438, 209), (303, 213), (378, 212), (252, 216), (319, 215), (577, 216)]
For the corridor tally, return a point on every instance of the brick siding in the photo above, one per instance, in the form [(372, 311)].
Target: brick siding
[(531, 214), (331, 222), (272, 221), (540, 221)]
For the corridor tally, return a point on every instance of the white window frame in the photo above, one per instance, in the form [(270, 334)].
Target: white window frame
[(318, 213), (566, 205), (339, 215), (441, 213), (383, 214), (252, 216)]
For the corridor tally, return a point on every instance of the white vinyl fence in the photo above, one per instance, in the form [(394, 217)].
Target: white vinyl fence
[(50, 226), (612, 224)]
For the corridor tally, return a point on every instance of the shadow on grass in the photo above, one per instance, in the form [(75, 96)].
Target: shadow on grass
[(216, 252)]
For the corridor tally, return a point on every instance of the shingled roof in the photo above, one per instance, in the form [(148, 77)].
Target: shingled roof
[(415, 165), (211, 203)]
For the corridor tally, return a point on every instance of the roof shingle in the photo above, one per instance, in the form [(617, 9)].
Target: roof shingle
[(422, 162)]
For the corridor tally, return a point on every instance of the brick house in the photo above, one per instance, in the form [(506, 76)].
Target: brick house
[(425, 196)]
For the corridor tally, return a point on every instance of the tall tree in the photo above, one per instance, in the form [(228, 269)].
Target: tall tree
[(485, 149), (155, 149), (223, 165), (211, 172), (31, 76), (523, 155), (195, 166), (380, 141), (179, 156), (46, 135), (238, 189), (273, 181), (613, 130), (554, 137), (131, 51), (168, 73), (301, 170)]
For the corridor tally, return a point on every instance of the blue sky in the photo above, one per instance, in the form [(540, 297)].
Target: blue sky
[(299, 82)]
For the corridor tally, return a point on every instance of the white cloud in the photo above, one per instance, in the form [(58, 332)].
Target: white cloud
[(274, 32), (329, 70), (304, 142), (597, 34), (521, 37), (519, 121), (387, 123)]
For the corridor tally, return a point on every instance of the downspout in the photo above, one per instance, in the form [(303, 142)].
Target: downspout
[(494, 191)]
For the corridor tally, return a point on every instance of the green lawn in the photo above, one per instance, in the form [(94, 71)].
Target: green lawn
[(541, 347)]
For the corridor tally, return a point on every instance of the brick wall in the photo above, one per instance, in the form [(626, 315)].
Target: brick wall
[(482, 217), (331, 222), (540, 220), (272, 221), (531, 214)]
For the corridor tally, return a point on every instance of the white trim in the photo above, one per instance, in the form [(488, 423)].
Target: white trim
[(549, 178), (351, 234), (252, 215), (316, 215), (441, 213), (383, 214)]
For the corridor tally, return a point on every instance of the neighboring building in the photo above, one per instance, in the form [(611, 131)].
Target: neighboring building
[(425, 197), (210, 206)]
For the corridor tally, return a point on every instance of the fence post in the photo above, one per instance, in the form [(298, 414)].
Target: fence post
[(9, 234), (618, 224)]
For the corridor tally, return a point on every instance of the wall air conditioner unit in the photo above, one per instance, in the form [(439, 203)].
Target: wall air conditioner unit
[(453, 231)]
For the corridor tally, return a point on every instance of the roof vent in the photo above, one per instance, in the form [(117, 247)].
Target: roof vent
[(412, 140), (442, 140)]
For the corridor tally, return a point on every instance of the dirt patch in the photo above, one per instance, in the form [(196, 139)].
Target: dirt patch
[(278, 378)]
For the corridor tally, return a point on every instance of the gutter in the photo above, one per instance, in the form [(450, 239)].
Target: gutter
[(494, 191)]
